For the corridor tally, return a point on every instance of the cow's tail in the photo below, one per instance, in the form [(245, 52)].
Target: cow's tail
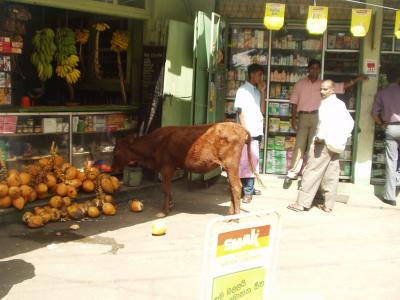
[(250, 159)]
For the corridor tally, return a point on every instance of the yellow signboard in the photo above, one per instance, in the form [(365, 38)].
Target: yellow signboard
[(360, 21), (397, 25), (274, 16), (317, 20), (240, 257), (244, 285)]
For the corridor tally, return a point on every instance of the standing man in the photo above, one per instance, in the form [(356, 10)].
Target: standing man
[(248, 102), (305, 101), (322, 169), (386, 113)]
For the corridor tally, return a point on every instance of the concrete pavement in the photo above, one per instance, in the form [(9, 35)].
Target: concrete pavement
[(353, 253)]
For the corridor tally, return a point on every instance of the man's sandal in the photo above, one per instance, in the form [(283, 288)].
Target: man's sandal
[(324, 208), (296, 207)]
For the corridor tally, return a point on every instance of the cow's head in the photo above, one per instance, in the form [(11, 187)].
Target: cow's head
[(123, 152)]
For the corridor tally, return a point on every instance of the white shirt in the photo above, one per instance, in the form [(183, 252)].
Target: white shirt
[(248, 99), (335, 123)]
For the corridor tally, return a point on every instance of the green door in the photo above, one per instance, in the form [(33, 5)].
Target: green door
[(178, 78)]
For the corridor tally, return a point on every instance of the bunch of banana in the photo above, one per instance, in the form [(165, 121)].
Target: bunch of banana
[(66, 55), (43, 53), (65, 42), (101, 26), (82, 36), (120, 41)]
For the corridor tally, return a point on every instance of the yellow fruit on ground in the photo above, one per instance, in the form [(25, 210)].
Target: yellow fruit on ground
[(72, 192), (14, 192), (3, 190), (26, 216), (24, 178), (81, 176), (75, 212), (109, 209), (55, 215), (109, 199), (65, 166), (76, 183), (19, 203), (92, 173), (88, 186), (37, 210), (61, 189), (97, 203), (59, 160), (93, 212), (136, 205), (26, 191), (44, 162), (66, 201), (71, 173), (41, 188), (46, 217), (5, 202), (42, 196), (115, 182), (56, 201), (107, 185), (50, 180), (33, 196), (13, 179), (159, 228), (35, 222)]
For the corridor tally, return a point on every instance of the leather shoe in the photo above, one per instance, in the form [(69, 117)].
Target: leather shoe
[(247, 199), (256, 192), (390, 202)]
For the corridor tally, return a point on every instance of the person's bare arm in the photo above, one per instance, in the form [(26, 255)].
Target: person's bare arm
[(241, 117), (263, 87), (354, 81), (378, 121)]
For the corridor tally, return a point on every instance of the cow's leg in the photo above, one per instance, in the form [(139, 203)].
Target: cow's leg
[(167, 174), (236, 189)]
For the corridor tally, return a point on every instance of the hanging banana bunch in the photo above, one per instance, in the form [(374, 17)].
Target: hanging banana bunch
[(66, 55), (120, 43), (100, 27), (82, 38), (43, 53)]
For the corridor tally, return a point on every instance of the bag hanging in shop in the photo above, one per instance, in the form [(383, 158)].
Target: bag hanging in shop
[(397, 25), (360, 21), (274, 16), (317, 20)]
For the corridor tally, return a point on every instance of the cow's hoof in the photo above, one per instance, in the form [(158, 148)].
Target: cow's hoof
[(161, 214)]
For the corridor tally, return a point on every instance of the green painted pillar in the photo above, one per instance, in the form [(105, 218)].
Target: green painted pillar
[(371, 50)]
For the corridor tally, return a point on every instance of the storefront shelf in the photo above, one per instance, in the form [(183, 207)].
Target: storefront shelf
[(278, 116), (289, 66), (30, 134), (333, 73), (102, 132), (343, 50), (285, 82), (297, 50), (279, 100), (282, 133)]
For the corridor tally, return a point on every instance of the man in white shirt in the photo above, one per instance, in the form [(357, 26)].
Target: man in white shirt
[(322, 171), (248, 102)]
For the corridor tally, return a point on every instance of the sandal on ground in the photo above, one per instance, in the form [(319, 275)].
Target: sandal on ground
[(324, 208), (296, 207)]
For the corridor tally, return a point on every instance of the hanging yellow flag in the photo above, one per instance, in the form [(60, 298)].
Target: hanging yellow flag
[(317, 20), (397, 25), (360, 21), (274, 16)]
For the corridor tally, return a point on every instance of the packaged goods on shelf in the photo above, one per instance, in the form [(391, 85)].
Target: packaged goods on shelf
[(5, 63), (279, 143), (284, 126), (284, 109), (274, 124), (8, 124), (290, 142), (49, 125), (282, 76), (274, 108), (345, 168), (230, 107), (342, 41)]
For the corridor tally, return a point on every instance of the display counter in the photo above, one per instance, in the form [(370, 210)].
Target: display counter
[(81, 133)]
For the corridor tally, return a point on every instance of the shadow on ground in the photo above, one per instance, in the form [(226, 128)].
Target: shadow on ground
[(193, 198), (13, 272)]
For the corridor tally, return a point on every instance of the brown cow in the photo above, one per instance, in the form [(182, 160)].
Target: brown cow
[(197, 149)]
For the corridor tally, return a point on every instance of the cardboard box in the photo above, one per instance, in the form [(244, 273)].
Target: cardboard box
[(49, 125)]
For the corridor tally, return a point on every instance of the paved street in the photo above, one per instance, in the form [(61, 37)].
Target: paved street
[(353, 253)]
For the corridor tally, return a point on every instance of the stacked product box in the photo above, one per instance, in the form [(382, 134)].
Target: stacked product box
[(8, 124)]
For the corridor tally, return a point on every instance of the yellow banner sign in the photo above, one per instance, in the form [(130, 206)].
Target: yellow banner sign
[(317, 20), (360, 21), (397, 25), (274, 16)]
